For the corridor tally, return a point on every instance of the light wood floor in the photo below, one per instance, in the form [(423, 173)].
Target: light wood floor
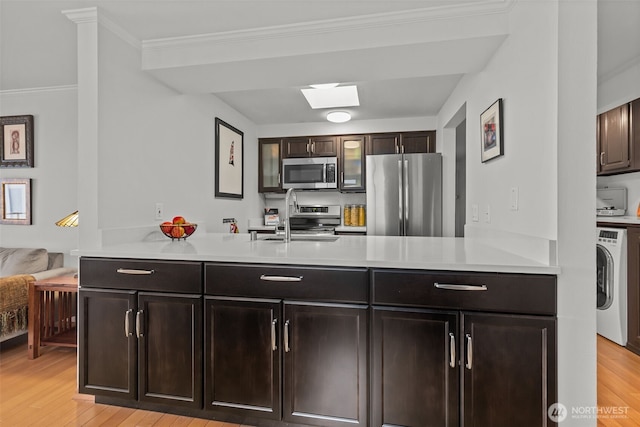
[(42, 392)]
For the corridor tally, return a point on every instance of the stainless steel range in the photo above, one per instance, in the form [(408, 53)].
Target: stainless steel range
[(315, 219)]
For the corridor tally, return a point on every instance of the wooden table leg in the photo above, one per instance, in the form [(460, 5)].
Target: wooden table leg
[(33, 349)]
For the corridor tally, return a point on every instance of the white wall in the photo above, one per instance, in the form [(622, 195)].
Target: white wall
[(546, 74), (157, 146), (53, 191)]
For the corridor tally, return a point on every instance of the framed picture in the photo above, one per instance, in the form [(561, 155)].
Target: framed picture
[(491, 131), (16, 201), (229, 161), (16, 141)]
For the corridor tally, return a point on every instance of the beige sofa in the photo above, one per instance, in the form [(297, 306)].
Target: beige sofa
[(19, 267)]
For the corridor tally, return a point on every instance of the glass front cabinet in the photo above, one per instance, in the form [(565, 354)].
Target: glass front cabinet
[(352, 163), (269, 165)]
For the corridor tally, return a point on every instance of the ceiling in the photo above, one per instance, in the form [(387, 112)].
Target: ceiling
[(405, 56)]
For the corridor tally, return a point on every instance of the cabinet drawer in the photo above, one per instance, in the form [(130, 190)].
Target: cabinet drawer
[(329, 284), (505, 293), (142, 275)]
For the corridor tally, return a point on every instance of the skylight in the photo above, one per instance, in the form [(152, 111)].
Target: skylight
[(341, 96)]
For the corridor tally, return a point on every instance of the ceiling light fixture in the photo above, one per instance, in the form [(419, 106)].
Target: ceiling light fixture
[(338, 116), (333, 97)]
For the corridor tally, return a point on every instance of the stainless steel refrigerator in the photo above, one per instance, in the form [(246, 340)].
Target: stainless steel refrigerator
[(404, 194)]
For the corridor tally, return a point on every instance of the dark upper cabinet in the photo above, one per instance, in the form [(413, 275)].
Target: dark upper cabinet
[(269, 165), (315, 146), (403, 142), (352, 163), (618, 139), (418, 142)]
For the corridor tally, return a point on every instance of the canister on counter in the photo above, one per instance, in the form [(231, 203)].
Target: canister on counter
[(354, 216), (361, 216), (346, 219)]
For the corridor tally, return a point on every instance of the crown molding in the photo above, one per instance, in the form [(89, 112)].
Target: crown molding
[(312, 28), (94, 15), (38, 90)]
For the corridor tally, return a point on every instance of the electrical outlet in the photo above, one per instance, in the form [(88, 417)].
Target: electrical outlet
[(474, 213), (513, 199), (487, 214), (159, 210)]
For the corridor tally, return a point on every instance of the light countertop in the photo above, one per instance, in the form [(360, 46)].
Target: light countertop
[(628, 220), (432, 253)]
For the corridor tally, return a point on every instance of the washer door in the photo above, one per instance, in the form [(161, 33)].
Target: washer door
[(604, 282)]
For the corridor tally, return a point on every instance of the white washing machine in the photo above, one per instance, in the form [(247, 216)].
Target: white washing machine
[(611, 249)]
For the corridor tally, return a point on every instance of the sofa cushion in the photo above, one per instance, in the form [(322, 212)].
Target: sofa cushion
[(22, 261)]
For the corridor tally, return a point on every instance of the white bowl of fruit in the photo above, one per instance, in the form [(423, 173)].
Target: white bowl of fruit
[(178, 228)]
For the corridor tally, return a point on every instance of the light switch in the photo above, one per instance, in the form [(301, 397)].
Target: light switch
[(474, 213), (513, 199), (487, 214)]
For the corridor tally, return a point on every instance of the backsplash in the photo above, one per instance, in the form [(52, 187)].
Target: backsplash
[(630, 181)]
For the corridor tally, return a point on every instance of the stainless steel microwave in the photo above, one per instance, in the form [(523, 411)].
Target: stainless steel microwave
[(310, 173)]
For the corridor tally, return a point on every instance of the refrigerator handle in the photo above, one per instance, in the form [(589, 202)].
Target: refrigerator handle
[(400, 201), (406, 197)]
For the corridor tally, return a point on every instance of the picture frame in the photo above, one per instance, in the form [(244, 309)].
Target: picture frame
[(15, 201), (491, 132), (16, 141), (229, 161)]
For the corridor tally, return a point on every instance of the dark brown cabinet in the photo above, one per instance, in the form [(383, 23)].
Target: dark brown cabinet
[(312, 322), (315, 146), (415, 378), (618, 139), (269, 165), (505, 364), (141, 345), (404, 142), (351, 163), (633, 289)]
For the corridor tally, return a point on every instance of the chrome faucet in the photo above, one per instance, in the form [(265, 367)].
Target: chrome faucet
[(287, 213)]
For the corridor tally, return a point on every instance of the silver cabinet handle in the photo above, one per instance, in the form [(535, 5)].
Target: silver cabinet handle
[(274, 347), (452, 350), (602, 159), (267, 278), (286, 337), (469, 363), (313, 147), (308, 149), (127, 330), (453, 287), (139, 331), (400, 201), (133, 271), (406, 196)]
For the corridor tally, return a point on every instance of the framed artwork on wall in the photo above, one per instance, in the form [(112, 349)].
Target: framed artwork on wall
[(16, 141), (491, 132), (229, 161), (15, 201)]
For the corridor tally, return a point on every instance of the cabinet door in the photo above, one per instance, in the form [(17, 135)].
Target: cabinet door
[(242, 357), (415, 368), (633, 289), (296, 147), (107, 345), (169, 328), (509, 372), (323, 146), (418, 142), (614, 140), (352, 163), (384, 143), (325, 365), (269, 165)]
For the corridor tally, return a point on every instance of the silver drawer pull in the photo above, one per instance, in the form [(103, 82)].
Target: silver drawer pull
[(452, 350), (132, 271), (469, 363), (286, 337), (281, 278), (453, 287), (127, 329), (139, 330), (274, 347)]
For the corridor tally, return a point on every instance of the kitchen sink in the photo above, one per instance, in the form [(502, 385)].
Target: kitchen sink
[(303, 238)]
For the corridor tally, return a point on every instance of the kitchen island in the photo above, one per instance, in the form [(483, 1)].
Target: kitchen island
[(362, 330)]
